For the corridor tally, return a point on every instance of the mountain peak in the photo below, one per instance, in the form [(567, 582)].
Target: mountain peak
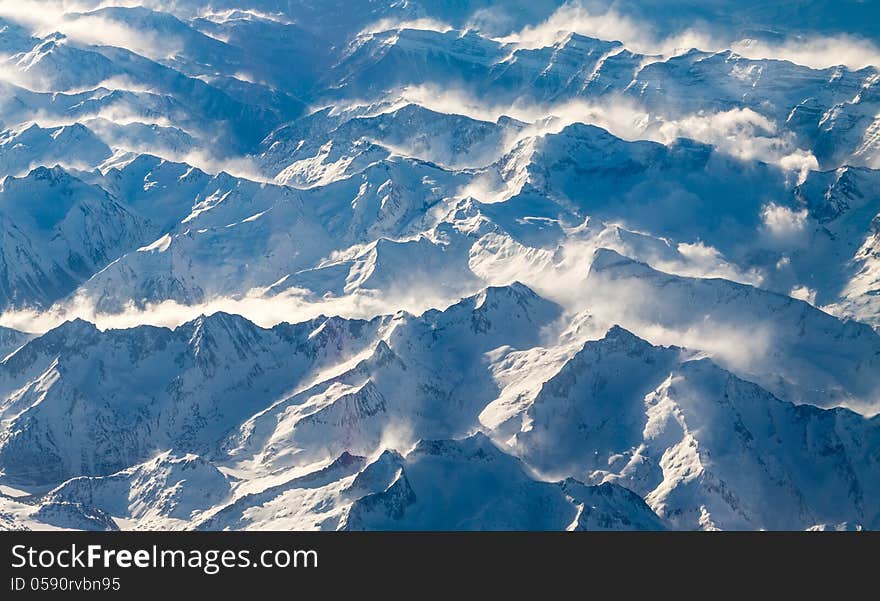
[(515, 308), (476, 447), (52, 175), (515, 291), (223, 322)]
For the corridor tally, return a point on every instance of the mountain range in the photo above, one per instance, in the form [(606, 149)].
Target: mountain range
[(439, 266)]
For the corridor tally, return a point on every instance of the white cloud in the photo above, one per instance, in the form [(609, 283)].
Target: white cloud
[(243, 167), (738, 348), (424, 24), (611, 25), (635, 305), (814, 51), (783, 222), (572, 17), (803, 293), (11, 74), (744, 134), (704, 261)]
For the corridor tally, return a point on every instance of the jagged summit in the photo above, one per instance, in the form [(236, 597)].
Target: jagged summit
[(439, 265)]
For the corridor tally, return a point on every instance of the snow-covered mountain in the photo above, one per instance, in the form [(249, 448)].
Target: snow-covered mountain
[(439, 265), (705, 448), (57, 232)]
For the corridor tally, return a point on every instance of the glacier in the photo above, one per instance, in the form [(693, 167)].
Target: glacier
[(482, 265)]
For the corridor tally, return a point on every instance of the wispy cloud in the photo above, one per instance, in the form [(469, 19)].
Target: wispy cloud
[(44, 17), (561, 273), (390, 24), (814, 51), (291, 307), (784, 224)]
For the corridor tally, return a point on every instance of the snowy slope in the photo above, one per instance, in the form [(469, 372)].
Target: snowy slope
[(469, 484), (835, 361), (57, 232), (705, 448)]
